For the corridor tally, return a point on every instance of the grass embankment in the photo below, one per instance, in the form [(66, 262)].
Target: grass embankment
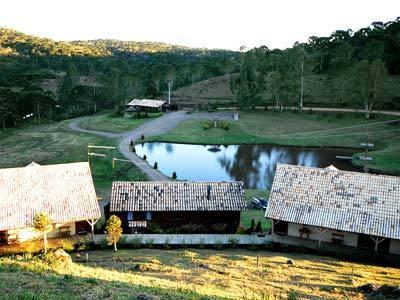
[(191, 274), (254, 214), (55, 143), (301, 129), (111, 123)]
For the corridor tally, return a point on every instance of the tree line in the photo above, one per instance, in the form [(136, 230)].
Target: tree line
[(359, 61), (92, 75)]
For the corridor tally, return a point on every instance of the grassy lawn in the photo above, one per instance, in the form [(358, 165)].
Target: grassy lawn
[(254, 214), (190, 274), (55, 143), (295, 129), (109, 122)]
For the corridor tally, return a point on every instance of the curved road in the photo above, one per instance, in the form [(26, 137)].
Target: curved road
[(166, 123), (154, 127)]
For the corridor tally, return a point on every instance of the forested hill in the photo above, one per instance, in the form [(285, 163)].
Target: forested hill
[(43, 78), (13, 42)]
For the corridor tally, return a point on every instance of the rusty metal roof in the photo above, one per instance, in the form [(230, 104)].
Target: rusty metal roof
[(341, 200), (64, 191), (177, 196)]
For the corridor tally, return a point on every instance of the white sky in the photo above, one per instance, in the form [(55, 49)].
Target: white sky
[(207, 23)]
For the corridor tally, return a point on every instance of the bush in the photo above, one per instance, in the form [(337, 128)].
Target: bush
[(233, 242), (225, 126), (136, 242), (104, 243), (155, 166), (83, 243), (149, 243), (167, 244), (241, 229), (206, 126), (218, 245), (144, 157), (67, 245), (258, 227), (174, 175)]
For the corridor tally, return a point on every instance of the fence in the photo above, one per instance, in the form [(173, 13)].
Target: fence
[(191, 239)]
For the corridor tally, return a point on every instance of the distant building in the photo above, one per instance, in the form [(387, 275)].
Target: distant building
[(332, 206), (178, 206), (147, 105), (65, 192)]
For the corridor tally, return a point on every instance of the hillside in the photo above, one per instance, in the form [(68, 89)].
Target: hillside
[(190, 274), (321, 90), (13, 42)]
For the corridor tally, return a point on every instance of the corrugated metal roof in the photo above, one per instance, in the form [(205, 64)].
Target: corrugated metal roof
[(177, 196), (342, 200), (64, 191), (146, 103)]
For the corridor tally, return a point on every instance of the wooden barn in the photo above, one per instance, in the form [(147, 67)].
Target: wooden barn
[(333, 206), (147, 105), (65, 192), (178, 206)]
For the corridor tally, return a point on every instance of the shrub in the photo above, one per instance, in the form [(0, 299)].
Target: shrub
[(174, 175), (83, 243), (218, 245), (123, 241), (136, 242), (155, 166), (252, 226), (206, 126), (225, 125), (133, 149), (201, 244), (233, 242), (149, 243), (258, 227), (167, 242), (144, 157), (104, 243), (67, 245), (241, 229)]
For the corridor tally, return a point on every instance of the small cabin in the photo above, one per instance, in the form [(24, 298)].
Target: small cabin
[(178, 206)]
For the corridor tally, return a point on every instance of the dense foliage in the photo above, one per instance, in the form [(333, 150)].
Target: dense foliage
[(360, 60), (80, 77)]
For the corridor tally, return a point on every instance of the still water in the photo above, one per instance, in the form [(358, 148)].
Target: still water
[(253, 164)]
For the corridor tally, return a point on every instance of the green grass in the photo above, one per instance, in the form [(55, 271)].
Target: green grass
[(254, 214), (300, 129), (190, 274), (55, 143), (109, 122)]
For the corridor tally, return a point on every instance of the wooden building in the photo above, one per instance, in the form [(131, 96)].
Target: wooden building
[(178, 206), (147, 105), (333, 206), (65, 192)]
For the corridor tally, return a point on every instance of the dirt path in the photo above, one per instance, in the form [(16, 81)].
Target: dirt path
[(158, 126)]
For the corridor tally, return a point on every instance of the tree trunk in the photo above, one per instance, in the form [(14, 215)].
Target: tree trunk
[(115, 246), (45, 242), (302, 86), (366, 110)]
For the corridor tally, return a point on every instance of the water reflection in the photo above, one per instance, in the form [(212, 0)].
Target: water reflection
[(253, 164)]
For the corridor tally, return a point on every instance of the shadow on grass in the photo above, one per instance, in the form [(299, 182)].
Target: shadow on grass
[(18, 282)]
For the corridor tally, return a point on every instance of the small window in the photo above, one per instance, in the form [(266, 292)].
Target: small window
[(148, 216), (130, 215)]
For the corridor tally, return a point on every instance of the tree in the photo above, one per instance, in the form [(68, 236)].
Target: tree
[(42, 223), (113, 230), (258, 227), (251, 80), (252, 225), (367, 79)]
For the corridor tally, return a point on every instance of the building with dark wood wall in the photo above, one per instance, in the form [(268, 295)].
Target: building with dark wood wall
[(177, 206)]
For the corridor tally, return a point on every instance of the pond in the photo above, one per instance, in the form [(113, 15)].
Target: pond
[(253, 164)]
